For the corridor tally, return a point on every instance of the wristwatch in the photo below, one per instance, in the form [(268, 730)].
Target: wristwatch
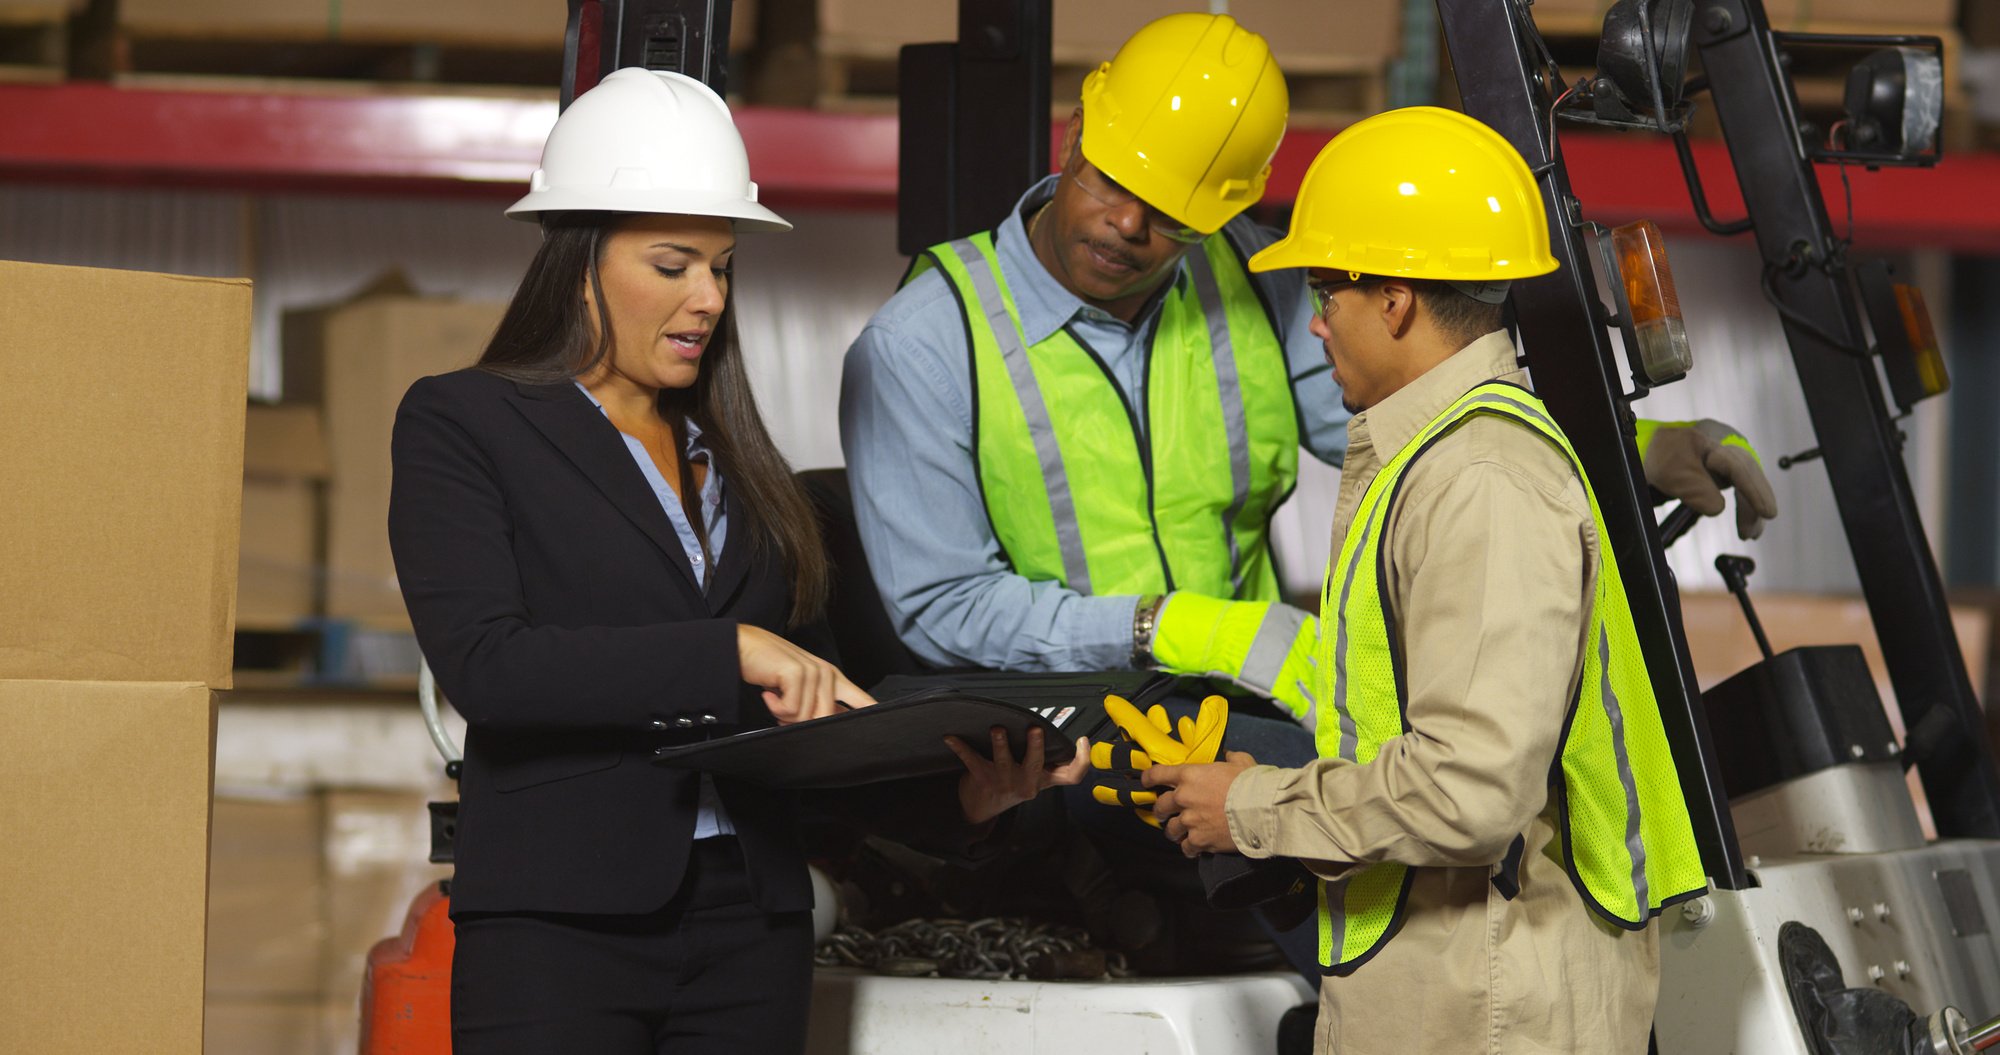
[(1145, 618)]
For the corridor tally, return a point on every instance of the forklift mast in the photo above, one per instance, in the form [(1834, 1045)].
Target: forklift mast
[(679, 36), (1567, 344)]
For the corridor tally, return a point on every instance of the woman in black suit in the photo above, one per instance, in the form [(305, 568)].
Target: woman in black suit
[(603, 554)]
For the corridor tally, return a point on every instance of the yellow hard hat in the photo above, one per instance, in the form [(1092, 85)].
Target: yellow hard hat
[(1187, 116), (1419, 192)]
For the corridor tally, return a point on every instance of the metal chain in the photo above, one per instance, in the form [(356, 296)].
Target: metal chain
[(997, 948)]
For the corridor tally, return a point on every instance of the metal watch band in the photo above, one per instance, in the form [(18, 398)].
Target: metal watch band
[(1145, 617)]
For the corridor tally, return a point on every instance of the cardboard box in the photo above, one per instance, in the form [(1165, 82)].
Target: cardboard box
[(265, 1027), (303, 885), (266, 900), (104, 811), (1720, 643), (377, 859), (1306, 36), (284, 475), (499, 23), (356, 360), (121, 416)]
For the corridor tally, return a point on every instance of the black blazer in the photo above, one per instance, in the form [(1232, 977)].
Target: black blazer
[(557, 608)]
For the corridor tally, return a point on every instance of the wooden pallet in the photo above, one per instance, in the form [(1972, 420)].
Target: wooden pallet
[(1332, 94)]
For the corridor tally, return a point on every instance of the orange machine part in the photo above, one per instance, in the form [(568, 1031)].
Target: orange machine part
[(406, 997)]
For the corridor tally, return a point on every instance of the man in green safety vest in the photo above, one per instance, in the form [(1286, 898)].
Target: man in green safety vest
[(1494, 817), (1066, 437)]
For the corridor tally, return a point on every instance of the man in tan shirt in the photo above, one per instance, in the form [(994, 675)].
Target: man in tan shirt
[(1490, 559)]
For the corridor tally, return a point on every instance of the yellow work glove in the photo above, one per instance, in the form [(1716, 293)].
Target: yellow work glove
[(1694, 460), (1263, 646), (1148, 740)]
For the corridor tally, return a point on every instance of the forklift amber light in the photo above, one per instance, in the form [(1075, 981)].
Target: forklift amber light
[(1931, 375), (1659, 337), (1912, 359)]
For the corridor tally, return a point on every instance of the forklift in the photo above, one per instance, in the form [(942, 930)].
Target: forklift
[(1832, 925)]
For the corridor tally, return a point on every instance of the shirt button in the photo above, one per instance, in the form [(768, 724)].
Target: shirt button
[(708, 719), (658, 725), (684, 722)]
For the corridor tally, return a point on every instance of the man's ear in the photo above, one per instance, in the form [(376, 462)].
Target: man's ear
[(1072, 137), (1397, 302)]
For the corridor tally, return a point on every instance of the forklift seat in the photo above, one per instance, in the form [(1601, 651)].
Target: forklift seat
[(869, 647)]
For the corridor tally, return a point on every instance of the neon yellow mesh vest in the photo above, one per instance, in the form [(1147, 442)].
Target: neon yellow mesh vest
[(1074, 495), (1627, 841)]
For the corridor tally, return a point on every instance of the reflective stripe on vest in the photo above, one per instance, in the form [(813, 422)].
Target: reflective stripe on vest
[(1628, 844), (1075, 495)]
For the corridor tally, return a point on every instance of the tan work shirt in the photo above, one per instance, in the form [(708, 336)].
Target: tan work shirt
[(1491, 563)]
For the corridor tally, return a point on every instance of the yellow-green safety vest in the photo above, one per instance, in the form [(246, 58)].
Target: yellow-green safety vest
[(1628, 844), (1075, 494)]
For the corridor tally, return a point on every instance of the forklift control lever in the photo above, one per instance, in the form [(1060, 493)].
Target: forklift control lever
[(1676, 523), (1807, 455), (1736, 574)]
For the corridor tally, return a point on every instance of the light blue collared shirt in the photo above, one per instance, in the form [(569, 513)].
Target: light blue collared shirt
[(712, 819), (906, 426)]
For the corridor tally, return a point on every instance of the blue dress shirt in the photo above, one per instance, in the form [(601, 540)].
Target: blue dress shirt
[(712, 819), (906, 427)]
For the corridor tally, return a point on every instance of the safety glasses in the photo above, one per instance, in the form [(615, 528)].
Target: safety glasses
[(1322, 290), (1109, 194)]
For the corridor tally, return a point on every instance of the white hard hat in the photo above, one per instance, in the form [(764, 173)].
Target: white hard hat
[(647, 141)]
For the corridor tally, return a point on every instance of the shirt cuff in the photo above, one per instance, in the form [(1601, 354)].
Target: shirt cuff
[(1253, 809), (1101, 636)]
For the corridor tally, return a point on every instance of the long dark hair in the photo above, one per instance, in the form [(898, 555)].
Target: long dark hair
[(546, 338)]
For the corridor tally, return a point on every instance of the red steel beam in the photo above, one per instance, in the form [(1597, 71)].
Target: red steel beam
[(487, 146), (478, 145), (1620, 177)]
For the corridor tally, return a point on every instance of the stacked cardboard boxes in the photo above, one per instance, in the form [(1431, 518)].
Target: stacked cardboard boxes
[(305, 881), (122, 419), (284, 479), (1304, 36), (1333, 54), (352, 363)]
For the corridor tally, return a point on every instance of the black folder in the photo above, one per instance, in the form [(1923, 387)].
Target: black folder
[(903, 734)]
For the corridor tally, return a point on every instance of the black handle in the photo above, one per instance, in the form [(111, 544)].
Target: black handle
[(1677, 523), (1736, 573)]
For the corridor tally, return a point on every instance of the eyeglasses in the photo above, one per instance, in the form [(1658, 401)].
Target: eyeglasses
[(1109, 194), (1322, 290)]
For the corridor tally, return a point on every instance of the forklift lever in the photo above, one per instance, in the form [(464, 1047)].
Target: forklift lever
[(1809, 454), (1676, 523), (1736, 574)]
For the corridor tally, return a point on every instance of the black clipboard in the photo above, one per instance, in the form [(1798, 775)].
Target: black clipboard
[(903, 735)]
